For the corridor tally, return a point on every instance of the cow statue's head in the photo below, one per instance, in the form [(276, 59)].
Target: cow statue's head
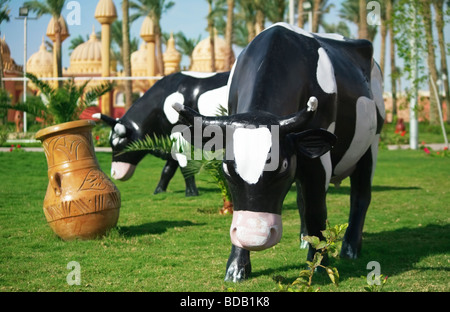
[(260, 164), (122, 134)]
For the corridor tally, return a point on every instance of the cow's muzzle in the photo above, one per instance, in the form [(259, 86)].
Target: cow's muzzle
[(255, 230), (122, 170)]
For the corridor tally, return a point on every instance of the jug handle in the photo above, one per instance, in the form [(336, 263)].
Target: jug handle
[(55, 181)]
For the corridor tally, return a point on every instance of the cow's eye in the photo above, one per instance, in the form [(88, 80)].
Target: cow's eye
[(284, 166)]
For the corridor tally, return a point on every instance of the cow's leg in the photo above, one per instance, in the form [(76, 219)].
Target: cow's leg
[(189, 180), (313, 180), (238, 265), (167, 174), (360, 195), (301, 210)]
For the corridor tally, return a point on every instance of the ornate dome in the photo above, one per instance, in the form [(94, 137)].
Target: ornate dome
[(139, 62), (87, 57), (6, 52), (147, 30), (201, 56), (51, 29), (41, 62), (105, 12), (171, 57)]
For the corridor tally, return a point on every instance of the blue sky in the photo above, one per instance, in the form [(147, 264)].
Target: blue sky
[(186, 15)]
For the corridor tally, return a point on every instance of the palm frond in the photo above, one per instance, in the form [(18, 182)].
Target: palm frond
[(44, 87), (155, 144)]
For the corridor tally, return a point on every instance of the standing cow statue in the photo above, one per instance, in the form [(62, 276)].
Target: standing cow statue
[(314, 103), (153, 115)]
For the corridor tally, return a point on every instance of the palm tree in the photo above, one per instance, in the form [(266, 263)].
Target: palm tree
[(64, 103), (212, 45), (274, 9), (154, 9), (246, 14), (53, 8), (186, 45), (363, 32), (350, 11), (394, 70), (229, 34), (126, 53), (4, 17), (431, 59), (439, 9)]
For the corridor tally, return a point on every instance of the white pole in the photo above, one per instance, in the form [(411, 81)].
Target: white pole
[(24, 71), (413, 123), (291, 12)]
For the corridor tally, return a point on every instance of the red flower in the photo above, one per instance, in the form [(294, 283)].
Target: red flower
[(11, 149), (403, 133), (426, 150), (97, 138), (19, 146), (12, 145), (446, 148)]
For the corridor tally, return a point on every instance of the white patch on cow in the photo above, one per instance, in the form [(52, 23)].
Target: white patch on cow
[(365, 132), (230, 79), (325, 159), (374, 150), (333, 36), (325, 73), (120, 130), (172, 114), (199, 75), (251, 147), (210, 102), (376, 85), (332, 127), (180, 148), (115, 141), (293, 28)]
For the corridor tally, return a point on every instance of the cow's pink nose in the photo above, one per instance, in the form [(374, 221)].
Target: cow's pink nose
[(255, 230)]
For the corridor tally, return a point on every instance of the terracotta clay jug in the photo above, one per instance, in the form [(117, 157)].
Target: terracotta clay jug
[(81, 201)]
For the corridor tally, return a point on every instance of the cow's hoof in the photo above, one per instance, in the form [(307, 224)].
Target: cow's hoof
[(191, 193), (236, 273), (159, 190), (349, 251)]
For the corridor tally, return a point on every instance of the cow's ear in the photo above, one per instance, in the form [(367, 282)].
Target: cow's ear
[(313, 143)]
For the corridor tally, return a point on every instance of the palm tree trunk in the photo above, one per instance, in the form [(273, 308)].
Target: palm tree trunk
[(389, 18), (57, 67), (439, 8), (316, 13), (383, 32), (300, 18), (158, 43), (126, 53), (229, 35), (431, 60), (211, 38), (362, 29)]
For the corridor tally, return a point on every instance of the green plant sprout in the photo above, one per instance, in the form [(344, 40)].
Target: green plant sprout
[(331, 246)]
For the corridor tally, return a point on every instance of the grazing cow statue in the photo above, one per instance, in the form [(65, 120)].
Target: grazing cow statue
[(152, 114), (312, 102)]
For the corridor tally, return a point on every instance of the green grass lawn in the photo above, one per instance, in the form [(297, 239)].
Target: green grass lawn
[(168, 242)]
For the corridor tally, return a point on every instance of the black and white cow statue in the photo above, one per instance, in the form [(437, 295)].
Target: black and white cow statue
[(312, 102), (153, 114)]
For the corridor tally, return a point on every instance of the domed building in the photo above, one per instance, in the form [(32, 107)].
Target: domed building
[(201, 56), (41, 63), (86, 58), (14, 88)]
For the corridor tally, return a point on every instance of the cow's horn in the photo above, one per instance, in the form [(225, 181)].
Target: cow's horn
[(108, 120), (296, 122)]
